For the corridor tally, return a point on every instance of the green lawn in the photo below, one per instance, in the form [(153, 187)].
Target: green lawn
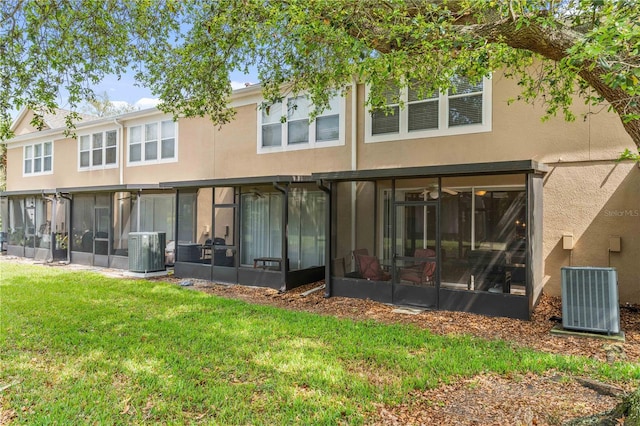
[(79, 347)]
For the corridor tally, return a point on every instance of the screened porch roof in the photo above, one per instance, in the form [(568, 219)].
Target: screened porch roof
[(445, 170), (255, 180), (111, 188), (84, 189), (28, 192)]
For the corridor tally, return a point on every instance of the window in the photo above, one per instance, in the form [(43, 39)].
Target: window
[(281, 130), (98, 150), (387, 121), (152, 142), (38, 158), (464, 108)]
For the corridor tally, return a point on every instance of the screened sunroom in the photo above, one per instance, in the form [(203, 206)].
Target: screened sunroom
[(91, 225), (464, 237), (35, 224), (264, 231)]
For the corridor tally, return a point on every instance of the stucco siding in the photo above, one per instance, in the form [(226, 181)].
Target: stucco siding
[(518, 132), (586, 192), (236, 151), (593, 202)]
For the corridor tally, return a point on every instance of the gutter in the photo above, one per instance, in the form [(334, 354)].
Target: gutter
[(354, 156), (83, 125), (354, 125)]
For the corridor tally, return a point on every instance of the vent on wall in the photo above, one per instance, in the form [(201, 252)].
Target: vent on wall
[(590, 299)]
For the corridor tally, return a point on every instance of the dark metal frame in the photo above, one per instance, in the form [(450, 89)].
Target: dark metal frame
[(23, 250), (491, 304), (90, 258), (281, 280), (409, 294)]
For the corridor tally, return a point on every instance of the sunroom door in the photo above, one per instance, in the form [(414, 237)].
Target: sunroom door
[(415, 260), (102, 237)]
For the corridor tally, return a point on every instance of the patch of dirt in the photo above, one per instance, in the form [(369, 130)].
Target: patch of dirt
[(487, 399), (494, 400)]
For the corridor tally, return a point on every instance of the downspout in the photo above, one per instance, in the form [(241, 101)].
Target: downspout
[(394, 248), (138, 201), (176, 226), (328, 241), (284, 265), (354, 125), (49, 258), (68, 219), (354, 156), (121, 173), (121, 145)]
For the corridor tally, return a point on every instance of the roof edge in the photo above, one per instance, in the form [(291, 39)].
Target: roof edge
[(251, 180), (463, 169)]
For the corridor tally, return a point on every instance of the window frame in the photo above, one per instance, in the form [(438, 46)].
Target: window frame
[(443, 117), (102, 149), (313, 141), (33, 158), (143, 141)]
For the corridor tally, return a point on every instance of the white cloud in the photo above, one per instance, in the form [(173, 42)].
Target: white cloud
[(119, 104), (144, 103), (239, 84)]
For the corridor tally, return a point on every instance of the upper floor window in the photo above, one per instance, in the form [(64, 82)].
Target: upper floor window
[(98, 150), (38, 158), (152, 142), (286, 125), (463, 108)]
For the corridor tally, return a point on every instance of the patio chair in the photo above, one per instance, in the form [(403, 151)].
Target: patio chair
[(361, 252), (170, 253), (222, 256), (422, 272), (370, 268)]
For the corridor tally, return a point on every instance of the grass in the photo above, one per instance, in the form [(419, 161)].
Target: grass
[(78, 347)]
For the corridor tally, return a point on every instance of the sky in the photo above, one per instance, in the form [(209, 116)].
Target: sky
[(124, 90)]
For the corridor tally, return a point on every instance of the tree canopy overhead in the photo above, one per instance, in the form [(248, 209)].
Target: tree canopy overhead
[(184, 51)]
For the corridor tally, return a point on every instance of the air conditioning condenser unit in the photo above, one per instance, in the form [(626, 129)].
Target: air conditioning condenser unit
[(590, 299), (146, 251)]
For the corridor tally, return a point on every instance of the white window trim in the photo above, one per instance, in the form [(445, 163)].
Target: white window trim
[(313, 144), (104, 151), (158, 160), (443, 119), (33, 150)]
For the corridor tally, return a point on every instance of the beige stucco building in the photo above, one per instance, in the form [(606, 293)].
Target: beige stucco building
[(458, 201)]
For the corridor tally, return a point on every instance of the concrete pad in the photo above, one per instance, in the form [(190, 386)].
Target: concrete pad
[(558, 330), (145, 274), (408, 311)]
